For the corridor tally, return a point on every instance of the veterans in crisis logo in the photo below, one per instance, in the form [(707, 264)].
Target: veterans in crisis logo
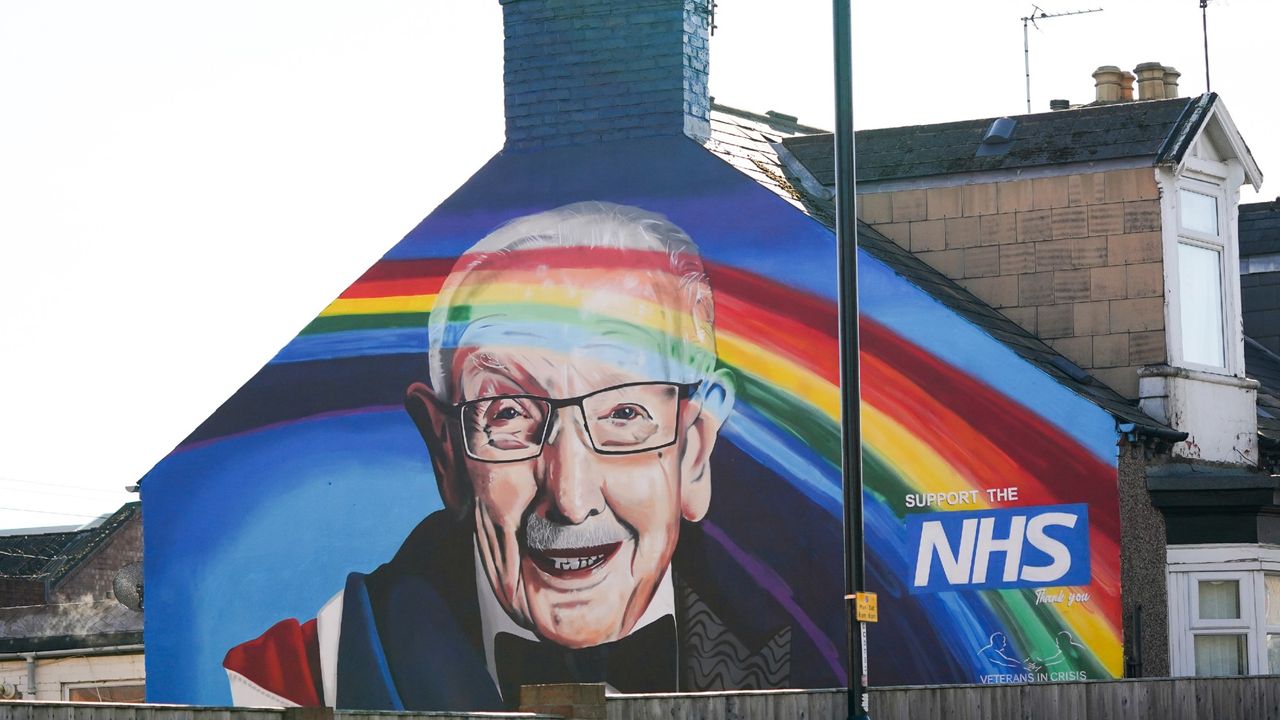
[(989, 549), (1056, 666)]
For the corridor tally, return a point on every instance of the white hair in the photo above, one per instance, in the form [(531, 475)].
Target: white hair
[(591, 225)]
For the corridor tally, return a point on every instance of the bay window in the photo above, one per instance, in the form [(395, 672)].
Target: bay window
[(1224, 609)]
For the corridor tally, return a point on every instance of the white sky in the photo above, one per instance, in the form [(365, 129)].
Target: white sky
[(183, 186)]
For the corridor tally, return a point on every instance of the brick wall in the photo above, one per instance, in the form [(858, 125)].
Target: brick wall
[(581, 71), (16, 592), (1075, 259), (93, 577)]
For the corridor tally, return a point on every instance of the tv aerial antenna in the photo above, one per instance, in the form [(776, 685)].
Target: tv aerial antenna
[(1038, 14), (1204, 23)]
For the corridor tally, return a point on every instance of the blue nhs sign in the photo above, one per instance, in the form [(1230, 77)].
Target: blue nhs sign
[(999, 548)]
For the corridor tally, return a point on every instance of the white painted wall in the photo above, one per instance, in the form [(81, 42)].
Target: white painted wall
[(1218, 412), (53, 674)]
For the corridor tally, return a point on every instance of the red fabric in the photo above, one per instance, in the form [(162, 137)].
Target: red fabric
[(284, 660)]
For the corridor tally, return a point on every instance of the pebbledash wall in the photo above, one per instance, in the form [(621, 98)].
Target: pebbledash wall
[(992, 512)]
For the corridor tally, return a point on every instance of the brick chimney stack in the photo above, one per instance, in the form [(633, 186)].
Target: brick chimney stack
[(582, 71)]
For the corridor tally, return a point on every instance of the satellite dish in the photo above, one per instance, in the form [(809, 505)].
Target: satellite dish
[(128, 586)]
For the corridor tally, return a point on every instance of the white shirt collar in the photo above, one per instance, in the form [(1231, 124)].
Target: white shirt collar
[(493, 619)]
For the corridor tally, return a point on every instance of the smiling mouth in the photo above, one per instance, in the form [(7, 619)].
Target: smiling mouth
[(572, 562)]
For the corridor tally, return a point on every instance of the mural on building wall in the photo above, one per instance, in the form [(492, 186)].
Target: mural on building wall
[(582, 425)]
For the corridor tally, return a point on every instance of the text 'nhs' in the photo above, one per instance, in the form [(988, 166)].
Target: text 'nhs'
[(999, 548)]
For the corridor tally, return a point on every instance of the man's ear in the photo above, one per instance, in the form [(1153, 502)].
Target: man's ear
[(433, 424), (710, 405)]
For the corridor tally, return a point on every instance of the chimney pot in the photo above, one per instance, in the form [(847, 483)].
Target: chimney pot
[(1059, 104), (1106, 80), (1171, 76), (1126, 86), (1150, 81)]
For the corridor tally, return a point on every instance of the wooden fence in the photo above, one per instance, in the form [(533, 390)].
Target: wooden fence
[(742, 705), (1236, 698), (38, 710)]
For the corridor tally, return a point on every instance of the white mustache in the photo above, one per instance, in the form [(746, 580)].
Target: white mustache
[(543, 534)]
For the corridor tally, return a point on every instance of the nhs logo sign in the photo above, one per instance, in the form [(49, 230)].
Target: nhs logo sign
[(999, 548)]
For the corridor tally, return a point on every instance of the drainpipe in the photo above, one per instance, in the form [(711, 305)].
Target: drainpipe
[(31, 674), (80, 652)]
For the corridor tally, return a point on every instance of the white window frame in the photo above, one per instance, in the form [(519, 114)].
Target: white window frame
[(1246, 563), (1220, 180), (1217, 243), (67, 687)]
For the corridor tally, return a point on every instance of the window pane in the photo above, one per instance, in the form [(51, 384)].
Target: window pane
[(1273, 600), (1200, 290), (1220, 655), (1198, 211), (1273, 653), (108, 693), (1219, 599)]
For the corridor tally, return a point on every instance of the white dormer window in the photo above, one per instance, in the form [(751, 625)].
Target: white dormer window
[(1201, 248)]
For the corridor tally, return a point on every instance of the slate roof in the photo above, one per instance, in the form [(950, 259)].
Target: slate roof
[(51, 556), (69, 625), (25, 556), (729, 126), (1264, 366), (743, 140), (1259, 227), (1159, 129)]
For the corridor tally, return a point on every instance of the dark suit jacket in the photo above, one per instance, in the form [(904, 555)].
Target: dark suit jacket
[(411, 634)]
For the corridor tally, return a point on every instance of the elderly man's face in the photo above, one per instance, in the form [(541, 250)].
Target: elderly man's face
[(575, 540)]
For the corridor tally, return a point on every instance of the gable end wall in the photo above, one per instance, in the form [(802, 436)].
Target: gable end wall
[(94, 576)]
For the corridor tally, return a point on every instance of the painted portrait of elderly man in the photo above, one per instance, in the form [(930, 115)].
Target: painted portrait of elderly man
[(573, 406)]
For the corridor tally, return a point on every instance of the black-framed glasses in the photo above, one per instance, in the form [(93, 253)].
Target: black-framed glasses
[(620, 420)]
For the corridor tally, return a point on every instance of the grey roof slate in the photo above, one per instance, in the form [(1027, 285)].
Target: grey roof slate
[(1259, 227), (80, 548), (69, 625), (25, 556), (1159, 129), (763, 156), (50, 556), (743, 140), (1264, 366)]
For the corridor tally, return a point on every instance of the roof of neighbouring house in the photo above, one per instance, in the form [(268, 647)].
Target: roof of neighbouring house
[(49, 557), (64, 626), (52, 555), (1264, 366), (1158, 129), (1259, 227), (746, 142), (25, 556)]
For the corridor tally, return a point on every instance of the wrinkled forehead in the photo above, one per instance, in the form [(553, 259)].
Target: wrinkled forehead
[(632, 322)]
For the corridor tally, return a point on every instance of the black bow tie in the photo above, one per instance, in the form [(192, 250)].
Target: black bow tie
[(642, 662)]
